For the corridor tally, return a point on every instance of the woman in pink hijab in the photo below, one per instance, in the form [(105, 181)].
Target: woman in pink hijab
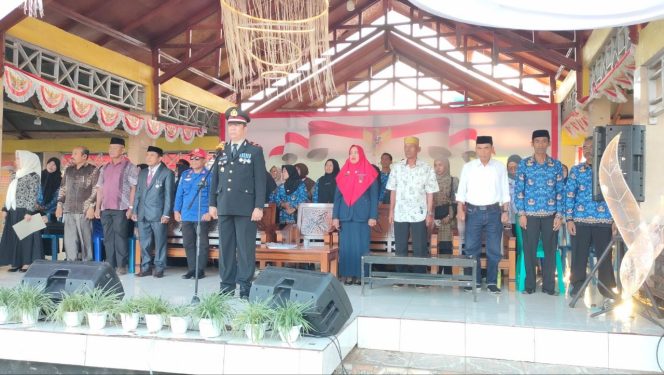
[(355, 211)]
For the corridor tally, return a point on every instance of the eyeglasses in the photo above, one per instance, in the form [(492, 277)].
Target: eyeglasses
[(195, 158)]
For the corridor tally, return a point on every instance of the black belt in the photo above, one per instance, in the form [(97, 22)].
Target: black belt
[(483, 208)]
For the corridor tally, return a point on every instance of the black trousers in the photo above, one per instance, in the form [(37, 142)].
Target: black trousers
[(418, 232), (599, 237), (116, 236), (540, 227), (445, 247), (189, 237), (238, 252)]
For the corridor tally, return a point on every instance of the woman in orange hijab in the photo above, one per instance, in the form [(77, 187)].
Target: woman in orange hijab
[(355, 211)]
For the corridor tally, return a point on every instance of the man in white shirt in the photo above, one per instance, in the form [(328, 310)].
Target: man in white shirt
[(412, 183), (483, 202)]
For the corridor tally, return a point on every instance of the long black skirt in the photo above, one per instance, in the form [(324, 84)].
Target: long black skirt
[(19, 253)]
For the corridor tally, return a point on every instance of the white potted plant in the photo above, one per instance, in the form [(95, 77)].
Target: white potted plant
[(98, 303), (70, 309), (154, 308), (5, 301), (213, 311), (254, 320), (129, 313), (28, 301), (289, 320), (179, 317)]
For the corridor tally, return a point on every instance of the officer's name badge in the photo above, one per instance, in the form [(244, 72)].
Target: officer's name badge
[(245, 158)]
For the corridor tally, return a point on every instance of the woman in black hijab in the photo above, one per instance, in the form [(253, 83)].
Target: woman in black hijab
[(51, 177), (289, 195), (327, 184)]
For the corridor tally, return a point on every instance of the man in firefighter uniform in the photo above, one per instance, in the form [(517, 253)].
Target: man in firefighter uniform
[(237, 197)]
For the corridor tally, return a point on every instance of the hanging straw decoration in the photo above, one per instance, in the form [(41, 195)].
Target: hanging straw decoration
[(279, 43), (33, 8)]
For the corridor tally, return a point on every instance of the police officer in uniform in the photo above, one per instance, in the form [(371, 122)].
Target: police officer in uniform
[(237, 197)]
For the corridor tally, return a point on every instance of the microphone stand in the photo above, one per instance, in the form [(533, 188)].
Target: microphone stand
[(201, 185)]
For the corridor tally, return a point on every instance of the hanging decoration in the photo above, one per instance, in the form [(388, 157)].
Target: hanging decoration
[(283, 41), (20, 86), (617, 80), (33, 8)]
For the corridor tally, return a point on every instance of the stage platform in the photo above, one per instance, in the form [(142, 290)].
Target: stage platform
[(534, 328)]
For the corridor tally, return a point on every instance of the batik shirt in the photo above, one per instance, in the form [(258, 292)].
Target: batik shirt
[(294, 199), (579, 204), (411, 184), (539, 188)]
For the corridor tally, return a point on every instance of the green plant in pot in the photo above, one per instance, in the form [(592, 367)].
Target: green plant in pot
[(213, 311), (70, 309), (129, 313), (289, 320), (179, 317), (99, 302), (29, 300), (5, 301), (155, 308), (254, 319)]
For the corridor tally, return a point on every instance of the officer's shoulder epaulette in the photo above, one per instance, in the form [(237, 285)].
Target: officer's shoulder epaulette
[(254, 144)]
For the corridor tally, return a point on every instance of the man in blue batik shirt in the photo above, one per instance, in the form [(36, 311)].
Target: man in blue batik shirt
[(538, 195), (589, 222)]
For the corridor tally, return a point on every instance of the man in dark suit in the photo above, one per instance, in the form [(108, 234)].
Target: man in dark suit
[(153, 204), (237, 196)]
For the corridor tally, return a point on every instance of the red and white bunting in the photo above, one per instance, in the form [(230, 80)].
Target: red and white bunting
[(132, 124), (20, 86), (619, 79), (51, 98)]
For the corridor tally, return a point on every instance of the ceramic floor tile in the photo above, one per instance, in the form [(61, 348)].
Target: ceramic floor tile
[(490, 366), (420, 336), (438, 363), (572, 347), (634, 352), (378, 333), (437, 313), (379, 358), (545, 368), (500, 342)]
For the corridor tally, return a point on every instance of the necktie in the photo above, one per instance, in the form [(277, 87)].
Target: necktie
[(234, 152), (150, 174)]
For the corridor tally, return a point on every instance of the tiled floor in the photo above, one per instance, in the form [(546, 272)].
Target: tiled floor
[(365, 361)]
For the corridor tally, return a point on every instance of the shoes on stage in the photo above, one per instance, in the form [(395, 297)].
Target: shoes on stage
[(397, 286), (158, 274), (357, 281), (549, 292), (469, 289), (121, 270), (188, 275), (420, 286), (348, 281), (244, 297), (144, 273), (528, 291), (13, 269), (493, 289), (23, 270), (201, 275)]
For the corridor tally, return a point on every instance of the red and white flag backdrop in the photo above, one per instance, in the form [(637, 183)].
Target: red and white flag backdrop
[(20, 86), (311, 138)]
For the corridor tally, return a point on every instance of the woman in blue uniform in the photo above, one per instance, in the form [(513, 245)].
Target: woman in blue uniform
[(355, 211), (289, 195)]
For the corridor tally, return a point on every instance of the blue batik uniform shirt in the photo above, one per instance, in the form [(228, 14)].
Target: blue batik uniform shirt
[(383, 184), (579, 204), (294, 199), (186, 198), (539, 188)]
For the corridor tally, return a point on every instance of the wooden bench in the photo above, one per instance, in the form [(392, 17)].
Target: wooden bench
[(327, 257), (420, 278), (506, 266)]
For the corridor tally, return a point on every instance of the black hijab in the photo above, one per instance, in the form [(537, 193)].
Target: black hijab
[(293, 181), (50, 182), (327, 184)]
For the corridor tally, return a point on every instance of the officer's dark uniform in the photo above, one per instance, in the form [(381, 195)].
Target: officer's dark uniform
[(237, 187)]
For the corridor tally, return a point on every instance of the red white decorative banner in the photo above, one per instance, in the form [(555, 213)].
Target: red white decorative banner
[(20, 86), (108, 117), (132, 124), (51, 98), (576, 123), (617, 80)]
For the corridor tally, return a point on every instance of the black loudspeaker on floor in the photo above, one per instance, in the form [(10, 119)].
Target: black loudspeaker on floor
[(72, 276), (330, 306)]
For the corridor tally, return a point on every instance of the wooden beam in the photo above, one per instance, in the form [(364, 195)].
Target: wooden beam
[(56, 117), (11, 19), (91, 7), (519, 40), (98, 26), (142, 19), (156, 88), (21, 133), (186, 63), (201, 15)]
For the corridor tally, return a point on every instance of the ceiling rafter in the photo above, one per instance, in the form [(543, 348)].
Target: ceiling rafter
[(187, 62), (198, 17)]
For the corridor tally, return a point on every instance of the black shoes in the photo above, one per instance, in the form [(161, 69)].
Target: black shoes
[(158, 274), (549, 292), (528, 291), (144, 273), (201, 275), (188, 275), (493, 289), (13, 269)]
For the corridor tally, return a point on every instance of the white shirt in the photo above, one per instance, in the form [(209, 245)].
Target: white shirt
[(153, 170), (412, 185), (238, 143), (482, 185)]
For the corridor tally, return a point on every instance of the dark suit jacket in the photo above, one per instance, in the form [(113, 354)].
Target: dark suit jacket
[(154, 201), (238, 184), (365, 208)]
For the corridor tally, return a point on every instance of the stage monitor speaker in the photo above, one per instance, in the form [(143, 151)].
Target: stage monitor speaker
[(631, 152), (72, 276), (330, 306)]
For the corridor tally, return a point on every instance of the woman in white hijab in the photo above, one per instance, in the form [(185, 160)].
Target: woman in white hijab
[(20, 204)]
